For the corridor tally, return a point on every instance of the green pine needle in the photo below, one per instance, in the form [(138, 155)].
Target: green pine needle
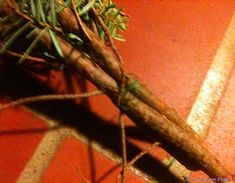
[(41, 11), (33, 8), (55, 43), (87, 7), (11, 27), (14, 37), (53, 12), (119, 37), (32, 45), (45, 13), (31, 33)]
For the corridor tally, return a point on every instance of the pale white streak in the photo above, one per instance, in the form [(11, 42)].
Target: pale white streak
[(214, 84), (211, 91), (46, 149)]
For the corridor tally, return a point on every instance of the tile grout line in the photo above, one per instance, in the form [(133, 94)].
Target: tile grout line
[(46, 149), (214, 84), (109, 154), (213, 87)]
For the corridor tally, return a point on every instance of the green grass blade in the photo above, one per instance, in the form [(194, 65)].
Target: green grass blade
[(119, 37), (33, 8), (56, 44), (41, 11), (106, 8), (32, 45), (11, 28), (78, 2), (14, 37), (53, 12), (87, 7), (31, 33)]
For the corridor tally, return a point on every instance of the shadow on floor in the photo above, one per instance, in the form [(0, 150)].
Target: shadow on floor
[(15, 83)]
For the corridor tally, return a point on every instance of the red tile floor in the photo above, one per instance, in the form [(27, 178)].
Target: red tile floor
[(171, 46)]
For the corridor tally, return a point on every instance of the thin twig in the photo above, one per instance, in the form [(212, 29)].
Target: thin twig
[(124, 150), (18, 55), (137, 157), (111, 42), (122, 89), (79, 21), (141, 154), (49, 97), (108, 35), (94, 28), (115, 51)]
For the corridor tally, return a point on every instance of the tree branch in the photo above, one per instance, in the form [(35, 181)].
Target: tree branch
[(149, 114)]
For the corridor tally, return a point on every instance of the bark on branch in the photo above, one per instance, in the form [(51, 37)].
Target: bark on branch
[(105, 58), (149, 113)]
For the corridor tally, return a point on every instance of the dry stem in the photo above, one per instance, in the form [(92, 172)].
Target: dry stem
[(141, 112), (106, 60), (49, 97), (144, 116)]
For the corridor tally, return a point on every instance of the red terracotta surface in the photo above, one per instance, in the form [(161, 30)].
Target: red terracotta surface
[(170, 46), (20, 133), (75, 161)]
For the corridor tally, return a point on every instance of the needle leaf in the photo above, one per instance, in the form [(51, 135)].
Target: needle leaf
[(87, 7), (55, 43), (14, 37), (32, 46), (53, 12), (41, 11)]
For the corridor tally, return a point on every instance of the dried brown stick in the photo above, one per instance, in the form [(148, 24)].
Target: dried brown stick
[(108, 35), (30, 58), (143, 115), (141, 154), (138, 156), (49, 97), (124, 150), (107, 61), (122, 88), (79, 21)]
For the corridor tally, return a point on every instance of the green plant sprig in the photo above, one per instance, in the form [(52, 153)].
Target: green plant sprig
[(45, 14)]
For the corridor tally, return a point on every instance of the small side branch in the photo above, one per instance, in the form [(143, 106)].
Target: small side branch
[(49, 97), (18, 55), (124, 151), (137, 157), (79, 21)]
